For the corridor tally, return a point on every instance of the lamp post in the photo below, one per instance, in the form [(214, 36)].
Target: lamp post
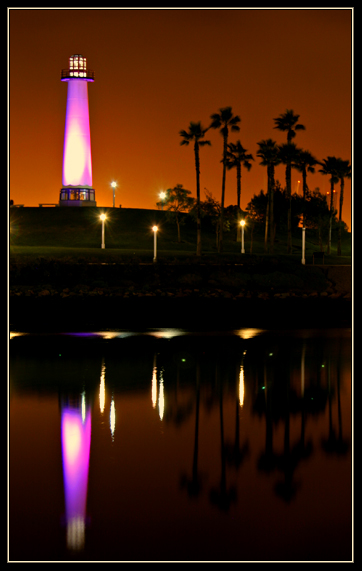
[(103, 218), (303, 245), (113, 185), (154, 243), (242, 224), (162, 195)]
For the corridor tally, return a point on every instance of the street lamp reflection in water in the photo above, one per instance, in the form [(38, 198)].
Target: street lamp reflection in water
[(241, 386)]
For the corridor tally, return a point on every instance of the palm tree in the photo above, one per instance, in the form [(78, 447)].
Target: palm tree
[(344, 170), (237, 156), (193, 484), (288, 122), (195, 133), (224, 120), (269, 154), (305, 163), (289, 153), (330, 167)]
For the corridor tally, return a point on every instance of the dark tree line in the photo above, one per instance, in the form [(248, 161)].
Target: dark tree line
[(270, 154)]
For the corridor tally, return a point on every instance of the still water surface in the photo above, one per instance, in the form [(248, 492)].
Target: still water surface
[(171, 446)]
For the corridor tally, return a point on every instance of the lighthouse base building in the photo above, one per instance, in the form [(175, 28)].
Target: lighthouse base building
[(77, 187), (74, 196)]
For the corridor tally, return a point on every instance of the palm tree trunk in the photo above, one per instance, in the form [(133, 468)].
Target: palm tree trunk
[(267, 215), (288, 178), (198, 214), (339, 252), (271, 209), (238, 191), (238, 183), (305, 188), (330, 219), (222, 197)]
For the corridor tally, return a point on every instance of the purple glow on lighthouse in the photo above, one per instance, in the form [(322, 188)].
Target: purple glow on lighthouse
[(77, 156)]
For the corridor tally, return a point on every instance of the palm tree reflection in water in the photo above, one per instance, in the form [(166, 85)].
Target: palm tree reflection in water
[(277, 384)]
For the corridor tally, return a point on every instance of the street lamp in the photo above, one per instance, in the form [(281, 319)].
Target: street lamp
[(242, 224), (154, 243), (103, 218), (113, 185), (162, 195), (303, 246)]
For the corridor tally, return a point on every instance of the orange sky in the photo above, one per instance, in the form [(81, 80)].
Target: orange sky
[(157, 70)]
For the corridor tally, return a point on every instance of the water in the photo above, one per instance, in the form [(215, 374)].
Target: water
[(170, 446)]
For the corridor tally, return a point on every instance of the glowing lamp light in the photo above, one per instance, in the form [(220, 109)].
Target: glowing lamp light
[(114, 186), (162, 196)]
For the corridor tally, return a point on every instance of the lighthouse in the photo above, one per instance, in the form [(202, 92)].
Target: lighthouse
[(77, 187)]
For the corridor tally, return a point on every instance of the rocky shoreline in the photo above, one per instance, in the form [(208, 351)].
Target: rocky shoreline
[(182, 297), (100, 312)]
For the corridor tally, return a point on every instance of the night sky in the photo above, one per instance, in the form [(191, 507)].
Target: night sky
[(158, 69)]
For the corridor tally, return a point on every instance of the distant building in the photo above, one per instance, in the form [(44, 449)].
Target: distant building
[(77, 187)]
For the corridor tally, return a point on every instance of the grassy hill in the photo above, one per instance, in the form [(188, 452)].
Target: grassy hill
[(59, 276), (76, 232)]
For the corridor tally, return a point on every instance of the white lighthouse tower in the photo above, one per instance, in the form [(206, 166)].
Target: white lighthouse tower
[(77, 156)]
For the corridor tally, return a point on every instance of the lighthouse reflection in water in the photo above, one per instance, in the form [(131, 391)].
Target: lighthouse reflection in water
[(76, 439), (180, 447)]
